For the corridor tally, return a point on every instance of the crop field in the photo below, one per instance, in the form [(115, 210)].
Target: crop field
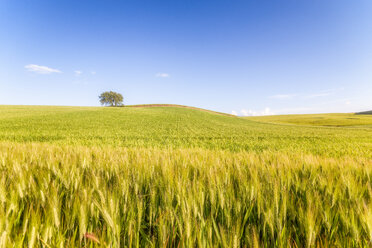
[(181, 177), (330, 120)]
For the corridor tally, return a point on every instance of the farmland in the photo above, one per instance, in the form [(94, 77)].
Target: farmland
[(326, 120), (181, 177)]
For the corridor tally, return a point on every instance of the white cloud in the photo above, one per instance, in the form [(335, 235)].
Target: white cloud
[(347, 102), (234, 112), (93, 72), (77, 73), (267, 111), (249, 112), (282, 96), (41, 69), (324, 93), (163, 75)]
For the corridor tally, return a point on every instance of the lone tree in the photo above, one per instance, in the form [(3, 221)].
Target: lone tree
[(110, 98)]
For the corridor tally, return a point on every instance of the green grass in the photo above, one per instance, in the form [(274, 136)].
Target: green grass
[(331, 120), (179, 177), (164, 127)]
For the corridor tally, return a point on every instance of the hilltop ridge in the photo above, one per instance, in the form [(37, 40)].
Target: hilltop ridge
[(177, 106)]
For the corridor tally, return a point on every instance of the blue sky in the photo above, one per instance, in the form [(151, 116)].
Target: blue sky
[(250, 57)]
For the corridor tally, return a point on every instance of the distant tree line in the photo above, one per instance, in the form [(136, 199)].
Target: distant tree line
[(365, 113)]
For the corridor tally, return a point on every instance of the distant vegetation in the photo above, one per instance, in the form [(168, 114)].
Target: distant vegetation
[(179, 177), (365, 113), (110, 98)]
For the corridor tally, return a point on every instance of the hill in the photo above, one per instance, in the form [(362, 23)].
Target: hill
[(327, 120), (170, 176), (176, 106), (176, 127)]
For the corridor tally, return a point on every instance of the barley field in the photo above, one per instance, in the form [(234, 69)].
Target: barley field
[(330, 120), (179, 177)]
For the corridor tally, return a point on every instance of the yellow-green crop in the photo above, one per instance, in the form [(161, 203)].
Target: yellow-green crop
[(330, 120), (176, 177)]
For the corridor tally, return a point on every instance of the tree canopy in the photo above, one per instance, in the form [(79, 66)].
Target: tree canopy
[(111, 98)]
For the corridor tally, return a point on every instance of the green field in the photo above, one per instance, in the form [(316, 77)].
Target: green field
[(330, 120), (180, 177)]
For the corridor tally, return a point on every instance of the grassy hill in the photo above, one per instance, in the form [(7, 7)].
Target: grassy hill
[(177, 106), (330, 120), (176, 176), (171, 127)]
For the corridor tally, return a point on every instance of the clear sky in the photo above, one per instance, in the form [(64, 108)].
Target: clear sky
[(250, 57)]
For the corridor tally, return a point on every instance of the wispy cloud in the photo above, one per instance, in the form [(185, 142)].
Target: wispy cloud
[(93, 72), (249, 112), (162, 75), (321, 94), (282, 96), (41, 69), (78, 73), (324, 93)]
